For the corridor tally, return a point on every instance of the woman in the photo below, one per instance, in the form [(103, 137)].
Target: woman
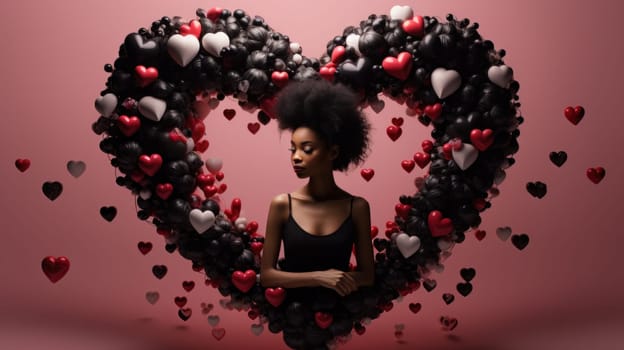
[(320, 223)]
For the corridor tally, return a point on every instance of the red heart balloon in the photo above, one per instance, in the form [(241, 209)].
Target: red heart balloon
[(55, 268), (280, 79), (164, 190), (323, 320), (399, 67), (150, 164), (367, 174), (244, 281), (214, 13), (188, 285), (22, 164), (146, 74), (439, 225), (408, 165), (229, 113), (480, 234), (433, 111), (414, 27), (574, 115), (394, 132), (427, 146), (193, 28), (180, 301), (328, 73), (145, 247), (596, 174), (275, 296), (482, 139), (422, 159), (128, 125), (253, 127)]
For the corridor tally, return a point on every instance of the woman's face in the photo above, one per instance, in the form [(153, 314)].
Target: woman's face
[(309, 154)]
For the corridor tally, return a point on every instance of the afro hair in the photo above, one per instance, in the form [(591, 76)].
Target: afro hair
[(332, 111)]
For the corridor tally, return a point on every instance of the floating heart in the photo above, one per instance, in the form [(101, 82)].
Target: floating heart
[(275, 296), (213, 320), (467, 273), (108, 213), (257, 329), (159, 271), (52, 189), (183, 48), (464, 288), (448, 298), (180, 301), (558, 158), (76, 168), (55, 268), (188, 285), (574, 114), (218, 333), (246, 72), (480, 234), (503, 233), (394, 132), (185, 314), (152, 297), (536, 189), (520, 241), (22, 164), (146, 74), (399, 67), (415, 307), (595, 174), (445, 81), (145, 247)]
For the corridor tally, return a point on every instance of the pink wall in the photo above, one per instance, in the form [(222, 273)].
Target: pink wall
[(563, 291)]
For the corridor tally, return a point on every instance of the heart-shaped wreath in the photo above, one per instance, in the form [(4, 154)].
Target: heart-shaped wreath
[(443, 72)]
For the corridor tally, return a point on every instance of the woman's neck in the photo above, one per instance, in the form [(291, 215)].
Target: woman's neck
[(322, 188)]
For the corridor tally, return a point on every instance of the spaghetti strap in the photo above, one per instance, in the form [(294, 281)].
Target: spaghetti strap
[(289, 206)]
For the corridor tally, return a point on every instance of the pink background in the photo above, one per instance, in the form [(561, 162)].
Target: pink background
[(562, 291)]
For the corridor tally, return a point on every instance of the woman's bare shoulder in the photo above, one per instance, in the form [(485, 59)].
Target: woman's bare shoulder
[(280, 202), (360, 204)]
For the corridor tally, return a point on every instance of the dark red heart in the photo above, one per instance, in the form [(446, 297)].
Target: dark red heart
[(22, 164), (596, 174), (55, 268)]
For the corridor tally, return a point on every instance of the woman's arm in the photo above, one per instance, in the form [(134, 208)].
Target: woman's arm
[(270, 276), (364, 275)]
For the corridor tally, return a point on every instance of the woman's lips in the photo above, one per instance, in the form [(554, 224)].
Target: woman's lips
[(298, 168)]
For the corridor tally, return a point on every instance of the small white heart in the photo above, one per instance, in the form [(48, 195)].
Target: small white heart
[(152, 297), (214, 164), (500, 75), (145, 194), (76, 168), (213, 43), (241, 224), (353, 40), (201, 220), (503, 233), (401, 12), (377, 105), (445, 244), (183, 48), (152, 108), (445, 81), (466, 156), (213, 320), (257, 329), (106, 104), (408, 245)]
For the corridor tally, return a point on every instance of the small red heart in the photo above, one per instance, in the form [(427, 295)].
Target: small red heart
[(55, 268), (367, 174), (328, 73), (398, 334), (236, 205), (164, 190), (22, 164), (374, 231), (150, 164), (145, 247), (323, 320), (482, 139), (399, 67), (447, 151), (128, 125), (210, 190), (433, 111), (206, 308), (574, 115), (251, 227), (146, 74), (222, 188), (201, 146), (402, 210), (457, 144), (422, 159), (480, 234), (180, 301), (218, 333), (193, 28), (394, 132), (596, 174), (479, 204), (205, 179), (359, 329), (199, 130), (414, 26), (219, 175), (387, 307), (280, 79), (253, 127), (338, 54), (253, 314), (188, 285), (439, 225), (214, 13), (244, 281), (427, 146), (229, 113), (397, 121), (174, 136), (256, 247), (408, 165), (185, 314), (275, 296)]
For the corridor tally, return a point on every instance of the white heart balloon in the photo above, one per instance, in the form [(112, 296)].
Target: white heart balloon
[(152, 108), (445, 244), (408, 245), (353, 40), (466, 156), (214, 164), (501, 75), (106, 104), (297, 58), (76, 168), (503, 233), (257, 329), (145, 194), (401, 12), (445, 81), (377, 105), (152, 297), (241, 224), (201, 220), (213, 43), (183, 48)]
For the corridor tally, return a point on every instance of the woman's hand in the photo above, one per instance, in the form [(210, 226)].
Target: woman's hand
[(340, 281)]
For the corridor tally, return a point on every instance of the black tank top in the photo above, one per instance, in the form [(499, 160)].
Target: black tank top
[(304, 252)]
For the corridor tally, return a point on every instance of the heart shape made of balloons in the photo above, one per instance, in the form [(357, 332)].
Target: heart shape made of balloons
[(168, 77)]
